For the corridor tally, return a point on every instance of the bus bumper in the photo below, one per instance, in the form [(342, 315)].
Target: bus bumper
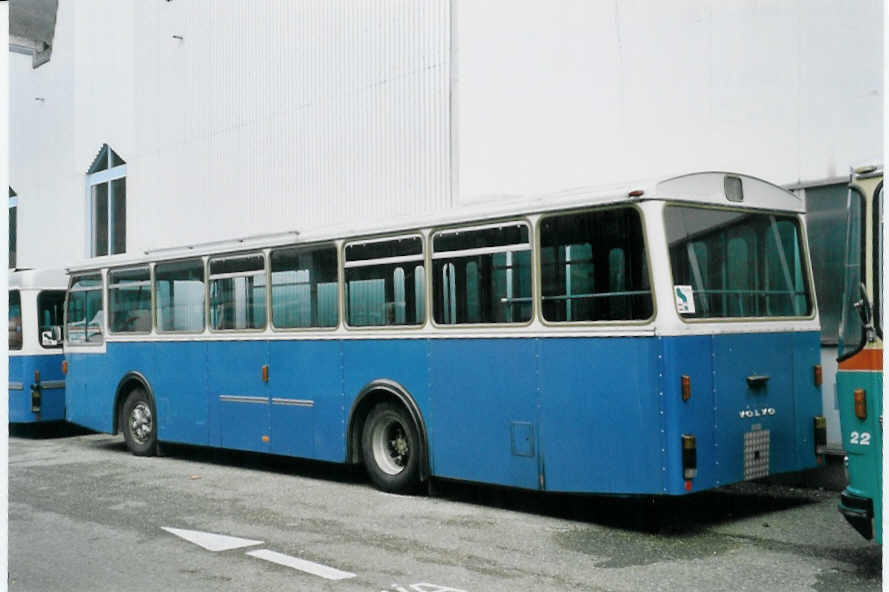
[(859, 512)]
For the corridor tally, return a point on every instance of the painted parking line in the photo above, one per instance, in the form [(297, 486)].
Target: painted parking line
[(311, 567), (210, 541)]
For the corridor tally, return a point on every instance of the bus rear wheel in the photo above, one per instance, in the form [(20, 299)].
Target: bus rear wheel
[(390, 448), (139, 424)]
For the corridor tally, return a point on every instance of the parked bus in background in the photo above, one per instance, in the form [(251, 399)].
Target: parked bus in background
[(36, 381), (660, 338), (860, 368)]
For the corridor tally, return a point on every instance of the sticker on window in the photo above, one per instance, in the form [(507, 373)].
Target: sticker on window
[(685, 302)]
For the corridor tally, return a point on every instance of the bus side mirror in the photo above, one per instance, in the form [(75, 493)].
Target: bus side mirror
[(863, 305), (51, 337)]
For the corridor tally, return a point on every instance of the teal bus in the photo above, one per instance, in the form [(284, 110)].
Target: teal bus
[(860, 363)]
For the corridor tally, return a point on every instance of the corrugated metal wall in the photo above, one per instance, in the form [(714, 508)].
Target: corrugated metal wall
[(284, 115), (264, 116)]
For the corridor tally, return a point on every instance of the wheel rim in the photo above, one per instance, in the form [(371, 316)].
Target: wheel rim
[(391, 449), (140, 422)]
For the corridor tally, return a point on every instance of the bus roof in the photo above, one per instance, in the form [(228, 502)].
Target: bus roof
[(707, 188)]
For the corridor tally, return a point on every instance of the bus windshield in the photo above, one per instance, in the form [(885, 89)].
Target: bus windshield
[(878, 258), (735, 263), (851, 338)]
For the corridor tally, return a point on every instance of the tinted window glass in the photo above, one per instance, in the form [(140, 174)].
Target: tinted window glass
[(594, 267), (826, 221), (50, 309), (179, 289), (13, 236), (878, 259), (15, 320), (482, 275), (304, 287), (385, 283), (84, 314), (851, 330), (736, 263), (397, 247), (129, 300), (237, 293)]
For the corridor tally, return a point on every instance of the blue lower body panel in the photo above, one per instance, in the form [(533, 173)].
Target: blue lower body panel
[(50, 404), (582, 414)]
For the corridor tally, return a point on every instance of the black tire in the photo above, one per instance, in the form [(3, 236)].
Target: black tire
[(390, 447), (138, 420)]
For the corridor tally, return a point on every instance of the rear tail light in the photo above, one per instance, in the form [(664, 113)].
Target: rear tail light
[(860, 397), (689, 457), (819, 375), (64, 366), (686, 387)]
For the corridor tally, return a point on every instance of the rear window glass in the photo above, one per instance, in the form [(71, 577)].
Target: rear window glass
[(733, 263)]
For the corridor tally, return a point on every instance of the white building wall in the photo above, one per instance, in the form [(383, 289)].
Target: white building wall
[(42, 167), (294, 114), (264, 117), (273, 116), (566, 94)]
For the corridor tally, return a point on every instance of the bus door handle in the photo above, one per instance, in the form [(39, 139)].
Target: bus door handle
[(757, 381)]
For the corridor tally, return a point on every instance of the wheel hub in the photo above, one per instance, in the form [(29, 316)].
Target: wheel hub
[(391, 449), (140, 422)]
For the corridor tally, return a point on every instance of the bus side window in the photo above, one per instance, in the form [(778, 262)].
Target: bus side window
[(593, 267), (49, 317), (85, 316), (482, 275), (237, 293), (382, 277), (179, 289), (129, 300)]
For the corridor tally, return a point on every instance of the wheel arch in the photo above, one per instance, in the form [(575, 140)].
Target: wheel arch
[(128, 382), (375, 392)]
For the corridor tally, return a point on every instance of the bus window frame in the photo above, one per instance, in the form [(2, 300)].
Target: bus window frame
[(430, 287), (210, 277), (64, 293), (340, 311), (100, 273), (343, 265), (877, 267), (206, 295), (538, 269), (109, 287), (863, 263), (802, 237)]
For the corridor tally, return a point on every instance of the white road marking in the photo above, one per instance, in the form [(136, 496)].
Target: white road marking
[(317, 569), (210, 541)]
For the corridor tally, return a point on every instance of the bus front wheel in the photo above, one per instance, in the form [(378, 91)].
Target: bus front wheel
[(139, 424), (390, 448)]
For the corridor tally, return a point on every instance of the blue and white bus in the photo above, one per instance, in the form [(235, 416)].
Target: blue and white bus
[(36, 380), (656, 339)]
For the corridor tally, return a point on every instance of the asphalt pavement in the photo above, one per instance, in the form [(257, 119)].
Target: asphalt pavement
[(86, 515)]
